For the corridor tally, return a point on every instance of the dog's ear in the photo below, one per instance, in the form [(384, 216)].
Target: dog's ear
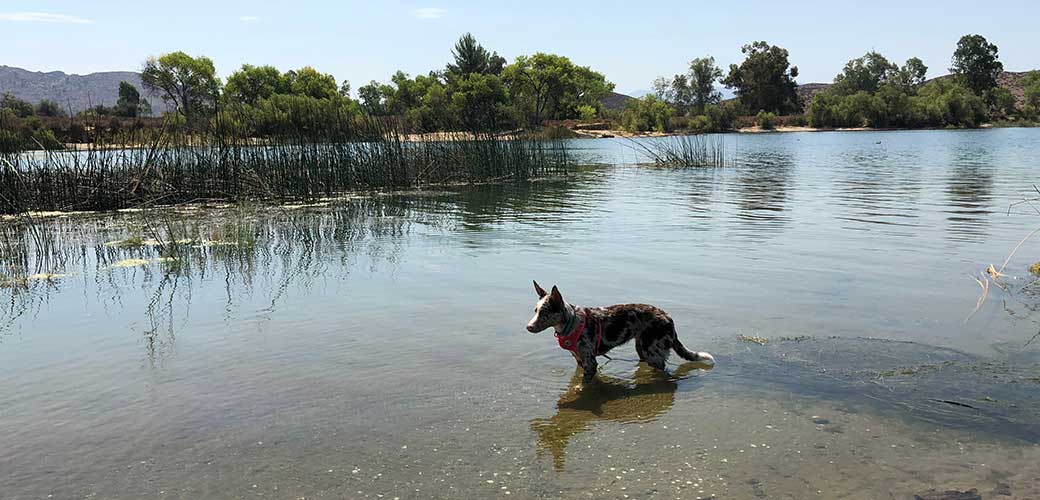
[(555, 296), (541, 292)]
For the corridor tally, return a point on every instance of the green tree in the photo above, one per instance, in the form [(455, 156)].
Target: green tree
[(49, 109), (947, 103), (676, 92), (765, 80), (1001, 100), (344, 88), (975, 63), (911, 75), (17, 106), (373, 97), (549, 86), (189, 84), (692, 91), (647, 113), (309, 82), (702, 77), (866, 74), (1031, 83), (130, 103), (470, 57), (479, 102), (251, 83)]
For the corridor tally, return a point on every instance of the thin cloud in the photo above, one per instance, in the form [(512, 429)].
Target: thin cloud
[(249, 19), (428, 13), (42, 17)]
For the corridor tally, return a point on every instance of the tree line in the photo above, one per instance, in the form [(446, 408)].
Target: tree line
[(871, 91), (478, 90)]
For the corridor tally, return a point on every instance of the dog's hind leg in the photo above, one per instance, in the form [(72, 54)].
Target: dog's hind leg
[(657, 353), (639, 348)]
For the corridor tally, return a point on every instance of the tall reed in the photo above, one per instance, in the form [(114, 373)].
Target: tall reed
[(686, 151), (304, 153)]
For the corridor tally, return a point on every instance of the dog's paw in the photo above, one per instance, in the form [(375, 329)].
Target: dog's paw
[(703, 357)]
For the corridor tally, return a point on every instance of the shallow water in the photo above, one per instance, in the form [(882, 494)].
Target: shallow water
[(373, 347)]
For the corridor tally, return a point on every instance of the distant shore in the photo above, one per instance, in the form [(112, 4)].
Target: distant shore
[(623, 134)]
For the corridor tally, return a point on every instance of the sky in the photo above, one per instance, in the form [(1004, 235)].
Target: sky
[(630, 42)]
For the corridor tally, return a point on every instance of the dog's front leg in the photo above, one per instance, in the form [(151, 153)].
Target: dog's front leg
[(588, 363)]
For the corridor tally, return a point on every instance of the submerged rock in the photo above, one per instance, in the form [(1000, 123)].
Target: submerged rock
[(971, 494)]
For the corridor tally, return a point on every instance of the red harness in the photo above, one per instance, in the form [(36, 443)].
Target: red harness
[(569, 342)]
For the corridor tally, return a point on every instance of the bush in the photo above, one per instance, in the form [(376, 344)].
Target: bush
[(587, 113), (647, 113), (798, 120), (948, 104), (940, 103), (721, 117), (699, 123), (766, 120)]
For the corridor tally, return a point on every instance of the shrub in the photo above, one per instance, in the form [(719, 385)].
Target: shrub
[(647, 113), (586, 112), (766, 120)]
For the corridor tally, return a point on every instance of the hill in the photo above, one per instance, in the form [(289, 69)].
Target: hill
[(78, 92), (615, 101)]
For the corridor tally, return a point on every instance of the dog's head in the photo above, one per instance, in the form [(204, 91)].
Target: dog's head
[(549, 311)]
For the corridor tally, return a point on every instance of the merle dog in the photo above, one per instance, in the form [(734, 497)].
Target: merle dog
[(588, 332)]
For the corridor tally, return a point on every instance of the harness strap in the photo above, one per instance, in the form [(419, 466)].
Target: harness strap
[(569, 341)]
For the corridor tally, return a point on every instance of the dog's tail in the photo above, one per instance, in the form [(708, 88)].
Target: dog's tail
[(700, 357)]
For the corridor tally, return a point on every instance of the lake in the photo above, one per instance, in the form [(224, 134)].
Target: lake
[(374, 346)]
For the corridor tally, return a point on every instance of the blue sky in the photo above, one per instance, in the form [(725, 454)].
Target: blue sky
[(631, 42)]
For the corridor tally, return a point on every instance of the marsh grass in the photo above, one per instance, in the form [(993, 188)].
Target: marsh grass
[(686, 151), (303, 156)]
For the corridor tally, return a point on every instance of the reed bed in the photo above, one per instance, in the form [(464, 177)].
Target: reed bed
[(303, 155), (686, 151)]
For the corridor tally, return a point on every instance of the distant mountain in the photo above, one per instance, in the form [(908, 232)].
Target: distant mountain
[(615, 101), (78, 92)]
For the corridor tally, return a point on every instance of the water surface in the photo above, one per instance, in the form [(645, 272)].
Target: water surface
[(373, 347)]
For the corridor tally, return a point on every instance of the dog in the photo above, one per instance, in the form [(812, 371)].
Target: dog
[(588, 332)]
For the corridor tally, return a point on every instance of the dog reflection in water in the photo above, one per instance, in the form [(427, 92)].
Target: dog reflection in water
[(649, 395)]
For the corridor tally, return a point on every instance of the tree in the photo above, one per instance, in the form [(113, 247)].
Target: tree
[(251, 83), (374, 96), (911, 75), (866, 74), (49, 109), (309, 82), (702, 77), (1031, 83), (17, 106), (470, 57), (647, 113), (692, 91), (479, 102), (548, 86), (130, 104), (344, 88), (187, 83), (765, 80), (975, 63)]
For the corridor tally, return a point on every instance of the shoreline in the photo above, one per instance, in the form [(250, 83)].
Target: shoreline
[(578, 134), (623, 134)]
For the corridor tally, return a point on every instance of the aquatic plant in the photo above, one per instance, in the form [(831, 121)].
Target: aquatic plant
[(686, 151), (307, 152)]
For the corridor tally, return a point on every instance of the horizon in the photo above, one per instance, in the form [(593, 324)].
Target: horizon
[(293, 36)]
